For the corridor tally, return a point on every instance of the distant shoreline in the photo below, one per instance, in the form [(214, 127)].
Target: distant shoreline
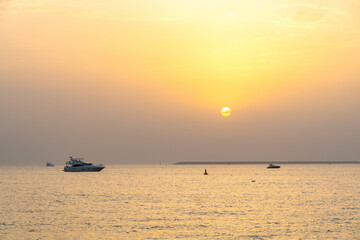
[(266, 162)]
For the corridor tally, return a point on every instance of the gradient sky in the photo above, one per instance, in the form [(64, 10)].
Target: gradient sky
[(143, 81)]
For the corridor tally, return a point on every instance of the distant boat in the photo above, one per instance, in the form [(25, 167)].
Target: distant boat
[(273, 166), (206, 173), (78, 165), (49, 164)]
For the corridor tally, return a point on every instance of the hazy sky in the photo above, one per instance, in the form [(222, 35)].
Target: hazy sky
[(143, 81)]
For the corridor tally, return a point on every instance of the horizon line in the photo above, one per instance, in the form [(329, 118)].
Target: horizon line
[(265, 162)]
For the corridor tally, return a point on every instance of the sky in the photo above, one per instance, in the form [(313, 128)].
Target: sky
[(143, 81)]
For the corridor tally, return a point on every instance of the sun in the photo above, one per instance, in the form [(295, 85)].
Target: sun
[(226, 111)]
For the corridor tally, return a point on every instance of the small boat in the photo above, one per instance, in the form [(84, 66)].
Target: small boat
[(49, 164), (206, 173), (273, 166), (78, 165)]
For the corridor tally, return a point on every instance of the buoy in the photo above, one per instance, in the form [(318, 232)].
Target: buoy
[(205, 173)]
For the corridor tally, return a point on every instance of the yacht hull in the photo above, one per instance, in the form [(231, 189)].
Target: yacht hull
[(273, 167), (83, 169)]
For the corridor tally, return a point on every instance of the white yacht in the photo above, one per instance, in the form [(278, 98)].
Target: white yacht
[(78, 165)]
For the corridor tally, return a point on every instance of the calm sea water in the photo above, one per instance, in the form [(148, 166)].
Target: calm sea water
[(179, 202)]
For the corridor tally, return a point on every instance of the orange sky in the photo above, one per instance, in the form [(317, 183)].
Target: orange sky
[(166, 61)]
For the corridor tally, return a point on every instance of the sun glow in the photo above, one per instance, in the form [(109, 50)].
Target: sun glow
[(226, 111)]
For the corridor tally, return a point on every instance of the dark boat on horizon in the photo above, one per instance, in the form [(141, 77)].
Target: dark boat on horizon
[(272, 166)]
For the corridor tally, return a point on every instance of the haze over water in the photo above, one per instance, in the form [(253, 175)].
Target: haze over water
[(179, 202), (144, 81)]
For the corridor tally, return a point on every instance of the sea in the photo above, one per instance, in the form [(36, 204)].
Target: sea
[(180, 202)]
